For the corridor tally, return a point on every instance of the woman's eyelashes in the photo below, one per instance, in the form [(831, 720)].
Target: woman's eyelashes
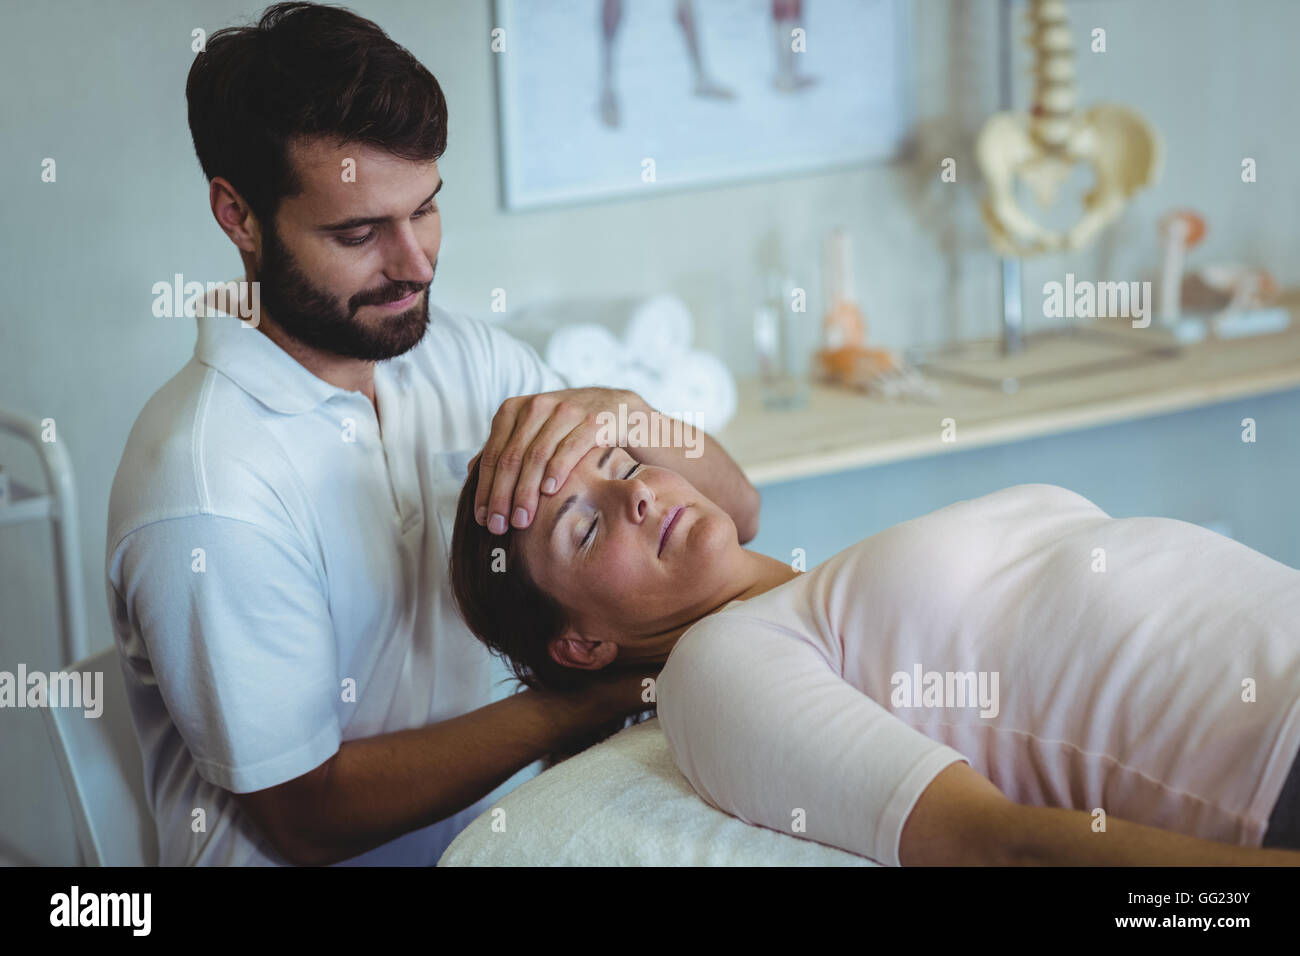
[(584, 545)]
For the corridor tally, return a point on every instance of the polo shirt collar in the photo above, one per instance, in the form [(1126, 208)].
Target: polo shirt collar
[(261, 368)]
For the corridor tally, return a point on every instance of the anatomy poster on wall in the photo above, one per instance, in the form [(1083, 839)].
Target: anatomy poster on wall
[(606, 98)]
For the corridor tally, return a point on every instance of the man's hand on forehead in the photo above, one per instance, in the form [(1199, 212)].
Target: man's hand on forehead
[(536, 441)]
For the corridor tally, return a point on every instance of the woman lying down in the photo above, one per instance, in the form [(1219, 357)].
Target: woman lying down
[(1015, 678)]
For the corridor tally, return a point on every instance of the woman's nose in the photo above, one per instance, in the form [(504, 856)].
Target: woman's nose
[(639, 497)]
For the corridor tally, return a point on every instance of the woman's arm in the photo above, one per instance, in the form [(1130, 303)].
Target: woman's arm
[(1047, 836), (764, 728), (962, 819)]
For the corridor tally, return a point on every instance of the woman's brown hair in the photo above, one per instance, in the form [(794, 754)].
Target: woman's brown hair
[(502, 604)]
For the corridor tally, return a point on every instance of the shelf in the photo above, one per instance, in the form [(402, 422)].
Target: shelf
[(841, 430)]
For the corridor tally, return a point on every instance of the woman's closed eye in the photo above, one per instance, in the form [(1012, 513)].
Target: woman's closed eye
[(584, 545)]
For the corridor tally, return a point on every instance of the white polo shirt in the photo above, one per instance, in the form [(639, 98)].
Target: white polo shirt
[(277, 570)]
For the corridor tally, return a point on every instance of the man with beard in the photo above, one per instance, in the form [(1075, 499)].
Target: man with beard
[(301, 684)]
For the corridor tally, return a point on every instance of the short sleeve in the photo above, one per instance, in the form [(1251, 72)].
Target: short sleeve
[(765, 730), (516, 368), (237, 636)]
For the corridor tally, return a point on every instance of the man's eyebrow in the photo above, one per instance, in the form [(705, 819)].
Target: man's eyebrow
[(356, 222), (568, 502)]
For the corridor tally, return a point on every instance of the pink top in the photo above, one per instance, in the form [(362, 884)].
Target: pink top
[(1144, 666)]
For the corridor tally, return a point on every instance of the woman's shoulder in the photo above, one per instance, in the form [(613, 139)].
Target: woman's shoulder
[(732, 617), (734, 627), (1030, 498)]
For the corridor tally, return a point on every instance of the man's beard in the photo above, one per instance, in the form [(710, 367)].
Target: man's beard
[(312, 316)]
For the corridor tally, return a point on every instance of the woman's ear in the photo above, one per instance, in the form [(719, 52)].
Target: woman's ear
[(571, 649)]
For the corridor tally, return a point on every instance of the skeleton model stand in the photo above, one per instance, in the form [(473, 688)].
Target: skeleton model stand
[(1040, 149)]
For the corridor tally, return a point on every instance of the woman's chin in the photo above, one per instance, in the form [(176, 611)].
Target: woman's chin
[(708, 540)]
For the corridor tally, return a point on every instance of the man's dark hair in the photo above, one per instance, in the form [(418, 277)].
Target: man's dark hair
[(306, 69)]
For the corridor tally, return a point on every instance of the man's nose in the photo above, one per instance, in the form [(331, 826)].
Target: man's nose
[(407, 260)]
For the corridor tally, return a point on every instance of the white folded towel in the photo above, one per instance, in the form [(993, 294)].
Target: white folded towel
[(585, 354), (699, 388), (642, 345), (646, 382), (651, 330), (659, 329), (623, 802)]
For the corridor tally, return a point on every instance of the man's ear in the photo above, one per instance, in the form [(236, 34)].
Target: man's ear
[(571, 649)]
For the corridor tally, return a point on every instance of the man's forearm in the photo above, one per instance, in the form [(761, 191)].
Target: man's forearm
[(381, 787), (708, 467), (1049, 836)]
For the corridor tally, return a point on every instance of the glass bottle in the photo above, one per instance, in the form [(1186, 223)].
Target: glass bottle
[(782, 368)]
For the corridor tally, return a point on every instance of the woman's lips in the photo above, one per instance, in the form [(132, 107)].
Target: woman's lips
[(666, 528)]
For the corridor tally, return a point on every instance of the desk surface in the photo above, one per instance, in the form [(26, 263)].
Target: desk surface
[(840, 430)]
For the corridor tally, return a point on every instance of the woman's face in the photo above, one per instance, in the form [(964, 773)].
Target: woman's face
[(630, 551)]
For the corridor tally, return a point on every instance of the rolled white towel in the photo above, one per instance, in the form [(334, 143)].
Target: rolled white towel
[(646, 382), (659, 329), (654, 328), (700, 389), (585, 354)]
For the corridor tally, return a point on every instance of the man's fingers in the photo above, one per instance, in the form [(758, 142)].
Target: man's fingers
[(503, 426), (565, 419), (533, 412), (579, 440)]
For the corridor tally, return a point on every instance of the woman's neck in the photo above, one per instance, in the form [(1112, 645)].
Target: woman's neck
[(766, 573), (758, 574)]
